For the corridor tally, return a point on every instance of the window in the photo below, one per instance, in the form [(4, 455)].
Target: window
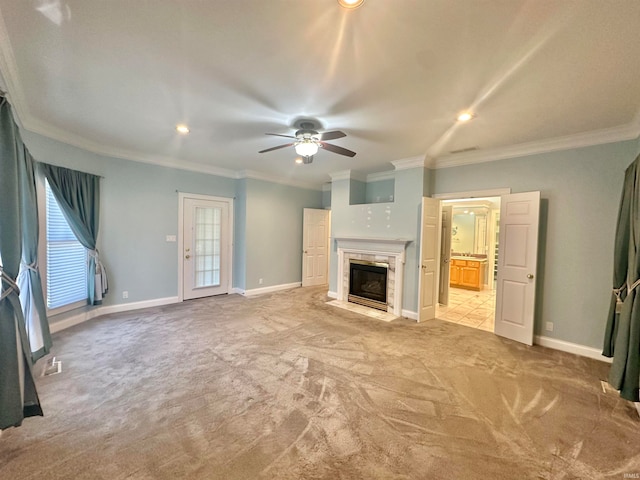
[(66, 265)]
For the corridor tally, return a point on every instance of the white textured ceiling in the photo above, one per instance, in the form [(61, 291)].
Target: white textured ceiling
[(116, 76)]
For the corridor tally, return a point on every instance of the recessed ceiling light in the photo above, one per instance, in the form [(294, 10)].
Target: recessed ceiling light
[(350, 3), (465, 116), (183, 129), (299, 160)]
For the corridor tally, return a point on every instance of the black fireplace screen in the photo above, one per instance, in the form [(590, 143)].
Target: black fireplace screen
[(368, 280)]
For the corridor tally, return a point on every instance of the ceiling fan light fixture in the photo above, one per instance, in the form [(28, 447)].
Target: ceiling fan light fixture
[(350, 4), (306, 147), (465, 117), (299, 160)]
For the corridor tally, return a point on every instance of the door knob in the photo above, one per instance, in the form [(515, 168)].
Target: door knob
[(446, 260), (530, 276), (187, 257), (305, 251)]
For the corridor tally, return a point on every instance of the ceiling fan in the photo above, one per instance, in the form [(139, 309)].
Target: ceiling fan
[(307, 142)]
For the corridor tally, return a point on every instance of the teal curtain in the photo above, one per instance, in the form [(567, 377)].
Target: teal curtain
[(18, 395), (29, 281), (622, 333), (78, 195)]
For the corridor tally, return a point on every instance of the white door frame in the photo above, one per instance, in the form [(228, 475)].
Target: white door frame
[(429, 269), (306, 219), (197, 196), (489, 193), (495, 192), (445, 255), (494, 214)]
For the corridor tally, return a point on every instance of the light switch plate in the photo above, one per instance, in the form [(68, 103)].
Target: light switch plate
[(171, 238)]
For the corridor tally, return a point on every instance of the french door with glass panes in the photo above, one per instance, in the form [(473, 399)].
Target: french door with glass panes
[(206, 247)]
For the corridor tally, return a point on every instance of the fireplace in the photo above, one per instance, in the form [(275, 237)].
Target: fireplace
[(389, 252), (368, 283)]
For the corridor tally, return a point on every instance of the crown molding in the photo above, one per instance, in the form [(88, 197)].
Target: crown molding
[(268, 177), (341, 175), (59, 135), (10, 80), (348, 175), (621, 133), (163, 161), (378, 176), (371, 177), (411, 162), (25, 120)]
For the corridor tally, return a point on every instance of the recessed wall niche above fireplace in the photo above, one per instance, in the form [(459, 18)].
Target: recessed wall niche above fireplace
[(376, 251)]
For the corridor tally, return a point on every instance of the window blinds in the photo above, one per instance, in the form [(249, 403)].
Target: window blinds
[(66, 259)]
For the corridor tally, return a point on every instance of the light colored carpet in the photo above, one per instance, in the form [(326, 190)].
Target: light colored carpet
[(284, 386)]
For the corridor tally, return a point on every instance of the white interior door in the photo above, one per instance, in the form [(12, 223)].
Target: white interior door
[(445, 254), (206, 247), (429, 258), (315, 247), (517, 262)]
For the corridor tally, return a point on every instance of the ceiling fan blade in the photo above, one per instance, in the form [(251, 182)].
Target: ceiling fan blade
[(279, 135), (332, 135), (276, 148), (337, 149)]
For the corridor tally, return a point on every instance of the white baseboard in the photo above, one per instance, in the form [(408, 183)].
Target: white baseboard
[(74, 319), (83, 316), (569, 347), (271, 289), (410, 314), (125, 307)]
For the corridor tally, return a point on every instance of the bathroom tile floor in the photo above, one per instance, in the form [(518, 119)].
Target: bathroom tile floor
[(470, 308)]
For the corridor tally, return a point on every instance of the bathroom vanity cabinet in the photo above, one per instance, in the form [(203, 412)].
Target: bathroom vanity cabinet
[(467, 273)]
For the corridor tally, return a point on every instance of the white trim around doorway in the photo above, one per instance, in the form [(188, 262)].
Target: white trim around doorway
[(197, 196), (495, 192)]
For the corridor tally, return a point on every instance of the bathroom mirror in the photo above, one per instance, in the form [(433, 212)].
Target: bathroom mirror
[(469, 230)]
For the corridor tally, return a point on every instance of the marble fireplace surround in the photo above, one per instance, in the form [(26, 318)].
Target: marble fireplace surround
[(391, 251)]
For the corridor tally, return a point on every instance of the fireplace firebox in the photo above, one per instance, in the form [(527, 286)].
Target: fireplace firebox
[(368, 283)]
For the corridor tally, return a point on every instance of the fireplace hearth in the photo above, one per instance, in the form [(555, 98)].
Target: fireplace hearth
[(368, 283)]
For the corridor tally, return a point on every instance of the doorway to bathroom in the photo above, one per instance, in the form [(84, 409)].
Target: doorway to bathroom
[(469, 261)]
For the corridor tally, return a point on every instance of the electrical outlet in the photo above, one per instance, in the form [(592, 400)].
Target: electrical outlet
[(125, 294), (549, 327), (259, 281)]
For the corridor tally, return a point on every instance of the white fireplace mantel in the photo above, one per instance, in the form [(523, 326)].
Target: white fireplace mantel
[(361, 244), (391, 248)]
